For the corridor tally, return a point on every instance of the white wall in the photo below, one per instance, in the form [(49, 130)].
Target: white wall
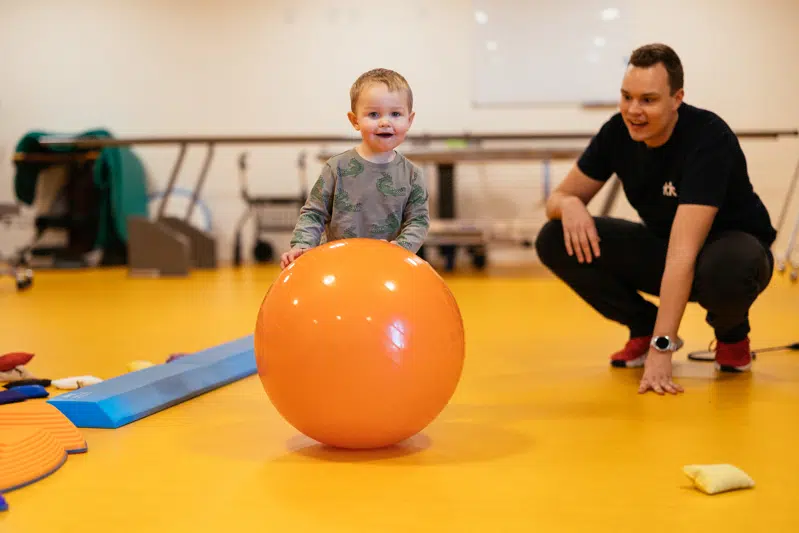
[(183, 67)]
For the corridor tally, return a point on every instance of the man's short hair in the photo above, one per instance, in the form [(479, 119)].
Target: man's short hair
[(393, 80), (651, 54)]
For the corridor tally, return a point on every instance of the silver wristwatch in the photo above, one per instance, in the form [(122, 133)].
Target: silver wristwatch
[(664, 343)]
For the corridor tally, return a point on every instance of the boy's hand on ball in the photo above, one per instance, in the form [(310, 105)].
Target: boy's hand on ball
[(287, 258)]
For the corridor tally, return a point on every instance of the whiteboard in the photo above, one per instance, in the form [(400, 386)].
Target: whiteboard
[(544, 52)]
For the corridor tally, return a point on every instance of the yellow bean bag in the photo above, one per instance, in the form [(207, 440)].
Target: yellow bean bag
[(713, 479)]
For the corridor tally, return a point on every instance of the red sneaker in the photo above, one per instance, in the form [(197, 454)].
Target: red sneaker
[(733, 357), (633, 354)]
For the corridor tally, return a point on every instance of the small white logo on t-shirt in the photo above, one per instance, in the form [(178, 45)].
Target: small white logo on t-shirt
[(669, 189)]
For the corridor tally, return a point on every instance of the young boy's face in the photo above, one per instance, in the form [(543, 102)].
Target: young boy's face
[(382, 117)]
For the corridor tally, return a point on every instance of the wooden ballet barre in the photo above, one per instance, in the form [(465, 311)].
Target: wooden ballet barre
[(303, 139), (317, 139), (457, 155), (7, 210), (38, 157)]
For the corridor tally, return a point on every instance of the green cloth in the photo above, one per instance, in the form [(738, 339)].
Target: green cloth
[(118, 174)]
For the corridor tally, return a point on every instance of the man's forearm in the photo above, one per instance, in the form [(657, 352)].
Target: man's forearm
[(675, 289)]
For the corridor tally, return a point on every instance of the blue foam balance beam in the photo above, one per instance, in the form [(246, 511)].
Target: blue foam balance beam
[(129, 397)]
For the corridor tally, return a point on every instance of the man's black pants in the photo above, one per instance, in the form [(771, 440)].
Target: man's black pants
[(732, 269)]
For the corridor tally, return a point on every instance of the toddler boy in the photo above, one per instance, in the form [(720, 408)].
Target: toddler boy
[(371, 190)]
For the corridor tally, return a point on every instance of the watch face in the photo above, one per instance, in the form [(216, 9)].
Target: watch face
[(662, 343)]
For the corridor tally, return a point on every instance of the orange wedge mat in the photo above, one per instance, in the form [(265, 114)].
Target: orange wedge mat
[(27, 454), (45, 416)]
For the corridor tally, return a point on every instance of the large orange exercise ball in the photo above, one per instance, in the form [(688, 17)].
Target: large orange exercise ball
[(359, 344)]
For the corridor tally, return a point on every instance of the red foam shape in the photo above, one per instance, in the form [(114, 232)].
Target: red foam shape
[(12, 360)]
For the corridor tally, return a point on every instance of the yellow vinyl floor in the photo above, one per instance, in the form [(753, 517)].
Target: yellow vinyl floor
[(542, 434)]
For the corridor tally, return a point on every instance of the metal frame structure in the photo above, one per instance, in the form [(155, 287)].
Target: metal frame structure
[(10, 267), (445, 168)]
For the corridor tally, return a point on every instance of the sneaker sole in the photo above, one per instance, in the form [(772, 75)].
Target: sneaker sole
[(733, 369), (632, 363)]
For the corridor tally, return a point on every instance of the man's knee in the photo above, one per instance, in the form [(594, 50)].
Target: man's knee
[(549, 242), (733, 269)]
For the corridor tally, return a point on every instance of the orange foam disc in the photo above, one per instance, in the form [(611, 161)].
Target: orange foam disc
[(27, 454), (45, 416)]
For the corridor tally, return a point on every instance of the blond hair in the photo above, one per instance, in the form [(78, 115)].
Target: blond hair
[(393, 80)]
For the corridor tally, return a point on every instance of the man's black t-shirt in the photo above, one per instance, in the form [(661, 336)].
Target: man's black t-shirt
[(701, 163)]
